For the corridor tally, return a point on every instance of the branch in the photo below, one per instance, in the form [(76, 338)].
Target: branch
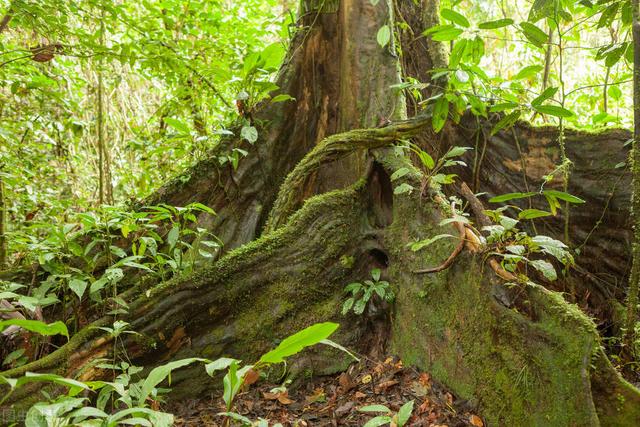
[(5, 21)]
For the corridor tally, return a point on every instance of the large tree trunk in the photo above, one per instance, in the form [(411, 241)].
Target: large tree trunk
[(523, 355)]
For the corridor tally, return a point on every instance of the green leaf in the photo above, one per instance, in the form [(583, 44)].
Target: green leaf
[(499, 23), (78, 286), (563, 196), (403, 188), (439, 116), (511, 196), (447, 34), (219, 365), (541, 9), (378, 421), (75, 387), (455, 17), (374, 408), (158, 374), (548, 93), (533, 213), (405, 413), (426, 242), (456, 151), (546, 268), (37, 326), (506, 122), (249, 133), (384, 35), (298, 341), (528, 71), (399, 173), (178, 125), (534, 34), (282, 97), (553, 110), (375, 274), (173, 235)]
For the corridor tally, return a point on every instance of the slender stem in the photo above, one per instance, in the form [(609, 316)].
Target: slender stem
[(101, 171)]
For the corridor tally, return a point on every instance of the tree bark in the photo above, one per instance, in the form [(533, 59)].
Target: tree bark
[(311, 209)]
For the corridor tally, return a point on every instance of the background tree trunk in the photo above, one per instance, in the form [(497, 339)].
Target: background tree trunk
[(522, 354)]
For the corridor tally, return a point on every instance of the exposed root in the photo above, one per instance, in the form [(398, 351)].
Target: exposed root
[(483, 221), (449, 261)]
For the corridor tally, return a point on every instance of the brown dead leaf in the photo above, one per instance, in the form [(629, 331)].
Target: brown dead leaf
[(359, 395), (476, 421), (425, 379), (383, 386), (424, 407), (346, 382), (251, 377), (317, 396), (379, 368), (284, 398)]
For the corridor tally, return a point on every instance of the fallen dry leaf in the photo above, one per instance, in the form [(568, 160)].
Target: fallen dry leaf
[(383, 386), (360, 395), (476, 421), (251, 377), (366, 379)]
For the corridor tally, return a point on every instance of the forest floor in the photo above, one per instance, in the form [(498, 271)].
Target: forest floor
[(336, 400)]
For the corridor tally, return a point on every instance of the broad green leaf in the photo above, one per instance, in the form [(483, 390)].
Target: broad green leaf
[(173, 235), (249, 133), (528, 71), (384, 35), (426, 242), (533, 213), (378, 421), (534, 34), (37, 326), (553, 110), (282, 98), (455, 17), (548, 93), (506, 122), (177, 125), (456, 151), (158, 374), (498, 23), (546, 268), (439, 116), (403, 188), (563, 196), (542, 9), (298, 341), (78, 286), (405, 413), (446, 34), (219, 365), (374, 408), (510, 196), (399, 173)]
